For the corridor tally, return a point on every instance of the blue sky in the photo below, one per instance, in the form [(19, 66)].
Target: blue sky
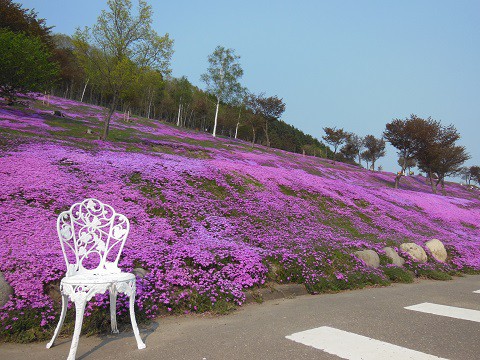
[(350, 64)]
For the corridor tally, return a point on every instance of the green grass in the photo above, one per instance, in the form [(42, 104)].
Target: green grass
[(287, 190), (469, 226), (361, 203), (210, 186), (148, 188)]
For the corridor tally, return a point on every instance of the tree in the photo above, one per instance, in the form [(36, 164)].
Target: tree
[(367, 156), (475, 174), (271, 108), (183, 94), (222, 77), (375, 149), (436, 151), (152, 86), (71, 73), (240, 102), (407, 164), (449, 163), (335, 138), (401, 134), (465, 174), (253, 121), (352, 147), (119, 48), (268, 108), (25, 65)]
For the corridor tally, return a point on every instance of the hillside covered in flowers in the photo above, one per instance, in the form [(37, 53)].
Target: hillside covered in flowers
[(210, 217)]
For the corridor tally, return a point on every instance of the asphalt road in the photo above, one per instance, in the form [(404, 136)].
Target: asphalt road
[(257, 331)]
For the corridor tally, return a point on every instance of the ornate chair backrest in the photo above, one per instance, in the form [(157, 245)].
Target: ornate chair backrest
[(92, 236)]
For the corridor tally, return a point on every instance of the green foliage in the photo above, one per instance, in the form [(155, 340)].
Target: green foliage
[(287, 191), (375, 149), (337, 271), (222, 78), (24, 327), (25, 65), (335, 138), (223, 74), (120, 49), (433, 274), (284, 273), (148, 188), (209, 186), (268, 109), (355, 280), (18, 20), (398, 274)]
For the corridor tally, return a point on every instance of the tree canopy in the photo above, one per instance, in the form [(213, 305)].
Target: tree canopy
[(436, 151), (431, 144), (121, 47), (13, 17), (222, 77), (352, 148), (25, 65), (265, 108), (401, 134), (334, 137), (375, 149)]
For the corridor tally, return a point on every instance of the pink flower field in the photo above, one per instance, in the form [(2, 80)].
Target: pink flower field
[(210, 217)]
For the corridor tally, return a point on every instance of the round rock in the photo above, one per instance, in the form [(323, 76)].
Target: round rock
[(369, 257), (437, 249), (392, 255), (415, 251), (5, 290), (140, 272)]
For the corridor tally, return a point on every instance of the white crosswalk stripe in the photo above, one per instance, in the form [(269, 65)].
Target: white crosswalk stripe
[(352, 346), (449, 311)]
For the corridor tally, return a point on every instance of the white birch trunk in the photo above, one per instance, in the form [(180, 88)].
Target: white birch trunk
[(216, 117), (238, 122), (236, 129), (179, 112), (84, 88), (150, 104), (149, 108)]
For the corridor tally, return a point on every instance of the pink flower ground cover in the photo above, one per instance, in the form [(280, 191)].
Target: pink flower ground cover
[(209, 217)]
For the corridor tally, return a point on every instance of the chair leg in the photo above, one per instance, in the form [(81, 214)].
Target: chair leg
[(113, 309), (79, 311), (60, 321), (140, 343)]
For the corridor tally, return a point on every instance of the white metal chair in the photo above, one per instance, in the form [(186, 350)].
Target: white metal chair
[(92, 236)]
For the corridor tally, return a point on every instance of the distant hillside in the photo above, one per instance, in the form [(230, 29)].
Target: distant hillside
[(210, 217)]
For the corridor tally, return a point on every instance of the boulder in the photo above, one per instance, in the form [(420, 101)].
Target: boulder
[(415, 251), (392, 254), (369, 257), (5, 290), (140, 272), (437, 249)]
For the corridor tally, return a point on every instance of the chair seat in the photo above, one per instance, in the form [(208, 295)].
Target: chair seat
[(88, 279)]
